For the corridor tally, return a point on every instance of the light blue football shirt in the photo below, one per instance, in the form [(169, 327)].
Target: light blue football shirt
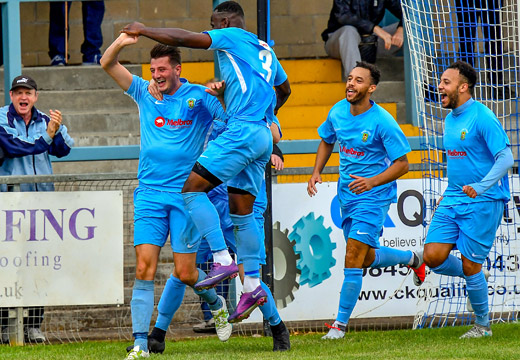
[(472, 137), (250, 68), (368, 144), (173, 132)]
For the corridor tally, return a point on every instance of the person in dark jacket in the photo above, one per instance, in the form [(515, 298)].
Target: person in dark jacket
[(27, 138), (353, 33)]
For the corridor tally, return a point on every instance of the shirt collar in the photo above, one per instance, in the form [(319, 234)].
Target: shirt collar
[(463, 107)]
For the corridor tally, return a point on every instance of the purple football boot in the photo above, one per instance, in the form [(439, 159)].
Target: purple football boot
[(218, 273), (248, 302)]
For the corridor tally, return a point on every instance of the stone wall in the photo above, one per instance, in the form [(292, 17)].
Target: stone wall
[(296, 26)]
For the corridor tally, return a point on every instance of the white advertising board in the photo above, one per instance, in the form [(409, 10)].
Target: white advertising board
[(317, 296), (61, 248)]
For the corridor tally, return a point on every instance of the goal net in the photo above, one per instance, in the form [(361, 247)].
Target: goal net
[(483, 33)]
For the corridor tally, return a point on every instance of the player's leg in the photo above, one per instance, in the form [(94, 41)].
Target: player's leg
[(243, 189), (386, 256), (478, 229), (150, 233)]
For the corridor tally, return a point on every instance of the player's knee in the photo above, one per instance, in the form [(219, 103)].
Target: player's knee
[(187, 275), (145, 271), (431, 259)]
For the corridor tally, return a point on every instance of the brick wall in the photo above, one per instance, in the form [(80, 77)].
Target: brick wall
[(296, 26)]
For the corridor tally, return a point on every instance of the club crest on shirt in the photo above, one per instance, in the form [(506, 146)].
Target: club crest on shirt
[(364, 135), (463, 134), (191, 103)]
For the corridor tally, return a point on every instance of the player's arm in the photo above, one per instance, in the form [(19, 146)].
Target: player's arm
[(110, 62), (398, 168), (503, 162), (170, 36), (322, 156), (283, 91)]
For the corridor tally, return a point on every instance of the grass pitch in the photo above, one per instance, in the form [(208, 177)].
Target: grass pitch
[(399, 344)]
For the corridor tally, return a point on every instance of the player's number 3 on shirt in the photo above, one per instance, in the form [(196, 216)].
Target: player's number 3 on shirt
[(266, 58)]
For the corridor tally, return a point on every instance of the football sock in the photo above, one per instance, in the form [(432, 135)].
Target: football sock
[(349, 293), (206, 219), (477, 289), (209, 295), (171, 300), (141, 307), (251, 280), (222, 257), (248, 241), (268, 309), (452, 266), (386, 256)]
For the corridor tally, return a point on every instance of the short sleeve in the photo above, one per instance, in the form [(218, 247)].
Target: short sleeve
[(280, 76), (221, 39), (394, 140), (327, 132), (138, 88)]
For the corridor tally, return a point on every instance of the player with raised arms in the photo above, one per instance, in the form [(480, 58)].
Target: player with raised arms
[(250, 69)]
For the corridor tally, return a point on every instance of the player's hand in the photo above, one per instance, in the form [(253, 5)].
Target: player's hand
[(216, 88), (398, 38), (126, 39), (133, 29), (277, 162), (360, 184), (386, 37), (153, 89), (468, 190), (311, 186)]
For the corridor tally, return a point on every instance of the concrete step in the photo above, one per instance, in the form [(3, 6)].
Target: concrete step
[(85, 100), (106, 138), (72, 77), (310, 94), (391, 67), (99, 120)]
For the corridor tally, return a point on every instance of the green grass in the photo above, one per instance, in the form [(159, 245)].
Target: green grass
[(399, 344)]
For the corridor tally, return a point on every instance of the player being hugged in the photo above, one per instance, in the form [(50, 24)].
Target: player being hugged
[(239, 155)]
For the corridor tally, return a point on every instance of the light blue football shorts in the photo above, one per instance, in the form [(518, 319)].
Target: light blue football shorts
[(471, 228), (159, 213), (364, 222), (239, 155)]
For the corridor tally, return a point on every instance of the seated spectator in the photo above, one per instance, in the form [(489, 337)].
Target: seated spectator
[(353, 33), (93, 12)]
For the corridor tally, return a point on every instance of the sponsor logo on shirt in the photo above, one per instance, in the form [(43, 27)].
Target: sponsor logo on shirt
[(351, 152), (456, 153), (172, 123), (159, 122)]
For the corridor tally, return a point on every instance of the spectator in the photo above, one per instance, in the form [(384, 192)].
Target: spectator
[(353, 33), (93, 12), (28, 137), (469, 12)]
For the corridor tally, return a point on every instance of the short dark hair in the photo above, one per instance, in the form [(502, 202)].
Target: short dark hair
[(375, 74), (161, 50), (468, 73), (230, 7)]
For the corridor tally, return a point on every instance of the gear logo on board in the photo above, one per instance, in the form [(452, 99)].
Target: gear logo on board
[(286, 273), (159, 122), (313, 244)]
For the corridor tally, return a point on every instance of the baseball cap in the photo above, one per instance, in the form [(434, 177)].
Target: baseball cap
[(24, 81)]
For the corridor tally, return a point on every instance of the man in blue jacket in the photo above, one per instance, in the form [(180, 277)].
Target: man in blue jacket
[(27, 138)]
